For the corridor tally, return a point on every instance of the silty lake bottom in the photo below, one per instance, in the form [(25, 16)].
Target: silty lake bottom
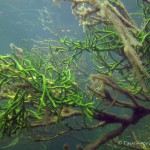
[(74, 75)]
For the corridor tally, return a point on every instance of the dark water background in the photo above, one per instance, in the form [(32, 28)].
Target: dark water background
[(19, 24), (19, 21)]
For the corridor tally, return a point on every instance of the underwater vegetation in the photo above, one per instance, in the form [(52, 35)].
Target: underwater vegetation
[(44, 91)]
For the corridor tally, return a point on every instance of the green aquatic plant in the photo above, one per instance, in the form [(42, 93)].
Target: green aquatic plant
[(37, 92), (30, 91)]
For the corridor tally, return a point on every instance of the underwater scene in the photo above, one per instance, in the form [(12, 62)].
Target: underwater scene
[(75, 74)]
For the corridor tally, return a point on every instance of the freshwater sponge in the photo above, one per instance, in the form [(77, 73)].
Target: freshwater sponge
[(95, 12)]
